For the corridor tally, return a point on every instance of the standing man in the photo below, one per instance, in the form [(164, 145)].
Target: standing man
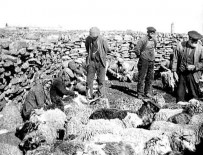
[(188, 64), (97, 49), (145, 50)]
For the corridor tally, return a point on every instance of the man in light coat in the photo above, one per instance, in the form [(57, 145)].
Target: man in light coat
[(97, 49)]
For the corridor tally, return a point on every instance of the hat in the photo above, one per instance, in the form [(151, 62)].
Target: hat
[(94, 32), (194, 35), (151, 29)]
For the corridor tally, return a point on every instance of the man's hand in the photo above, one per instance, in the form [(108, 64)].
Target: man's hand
[(190, 67), (175, 76)]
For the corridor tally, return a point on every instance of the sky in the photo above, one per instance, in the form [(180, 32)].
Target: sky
[(105, 14)]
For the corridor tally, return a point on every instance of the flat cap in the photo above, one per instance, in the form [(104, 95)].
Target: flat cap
[(151, 29), (194, 35)]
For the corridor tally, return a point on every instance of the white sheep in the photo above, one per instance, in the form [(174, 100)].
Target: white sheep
[(49, 123), (187, 133), (100, 126), (165, 114), (157, 146), (139, 139), (197, 119), (132, 120)]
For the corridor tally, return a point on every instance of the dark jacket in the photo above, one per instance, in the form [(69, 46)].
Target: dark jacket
[(57, 90), (35, 99), (198, 59), (102, 49)]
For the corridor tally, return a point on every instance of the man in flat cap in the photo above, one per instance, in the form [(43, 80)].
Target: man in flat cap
[(145, 50), (188, 64), (97, 49)]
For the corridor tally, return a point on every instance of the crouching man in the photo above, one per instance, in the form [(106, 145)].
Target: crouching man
[(36, 98)]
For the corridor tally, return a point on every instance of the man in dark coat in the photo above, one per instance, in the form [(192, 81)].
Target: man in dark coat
[(36, 98), (188, 64), (145, 50), (97, 49)]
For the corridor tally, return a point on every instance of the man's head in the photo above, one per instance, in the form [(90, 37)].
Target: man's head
[(94, 32), (194, 36), (151, 32)]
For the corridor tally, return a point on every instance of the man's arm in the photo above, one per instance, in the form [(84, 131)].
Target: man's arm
[(87, 42), (106, 47), (175, 57), (139, 47), (199, 65), (40, 96)]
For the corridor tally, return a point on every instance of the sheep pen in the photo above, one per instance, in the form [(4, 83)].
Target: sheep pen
[(140, 128)]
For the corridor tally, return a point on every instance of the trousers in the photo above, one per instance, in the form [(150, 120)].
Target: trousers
[(187, 82), (145, 76), (95, 67)]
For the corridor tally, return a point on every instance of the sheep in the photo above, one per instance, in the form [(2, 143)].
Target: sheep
[(74, 127), (187, 133), (196, 120), (157, 146), (138, 139), (128, 118), (181, 118), (104, 113), (100, 126), (109, 148), (147, 113), (165, 114), (108, 137), (82, 113), (132, 120), (70, 148), (50, 127)]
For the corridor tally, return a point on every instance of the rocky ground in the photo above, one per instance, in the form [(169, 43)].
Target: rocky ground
[(116, 90)]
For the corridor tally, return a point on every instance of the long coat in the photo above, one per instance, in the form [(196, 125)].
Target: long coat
[(198, 59), (102, 49)]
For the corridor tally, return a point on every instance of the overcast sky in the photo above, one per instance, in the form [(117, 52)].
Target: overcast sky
[(105, 14)]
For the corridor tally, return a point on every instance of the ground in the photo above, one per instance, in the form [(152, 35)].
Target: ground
[(116, 89)]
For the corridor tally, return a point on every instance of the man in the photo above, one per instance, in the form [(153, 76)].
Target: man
[(122, 70), (97, 49), (36, 98), (145, 50), (77, 69), (58, 90), (188, 63)]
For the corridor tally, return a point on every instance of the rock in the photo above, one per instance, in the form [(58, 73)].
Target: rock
[(11, 117)]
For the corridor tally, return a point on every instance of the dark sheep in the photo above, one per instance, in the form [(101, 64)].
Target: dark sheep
[(108, 114)]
